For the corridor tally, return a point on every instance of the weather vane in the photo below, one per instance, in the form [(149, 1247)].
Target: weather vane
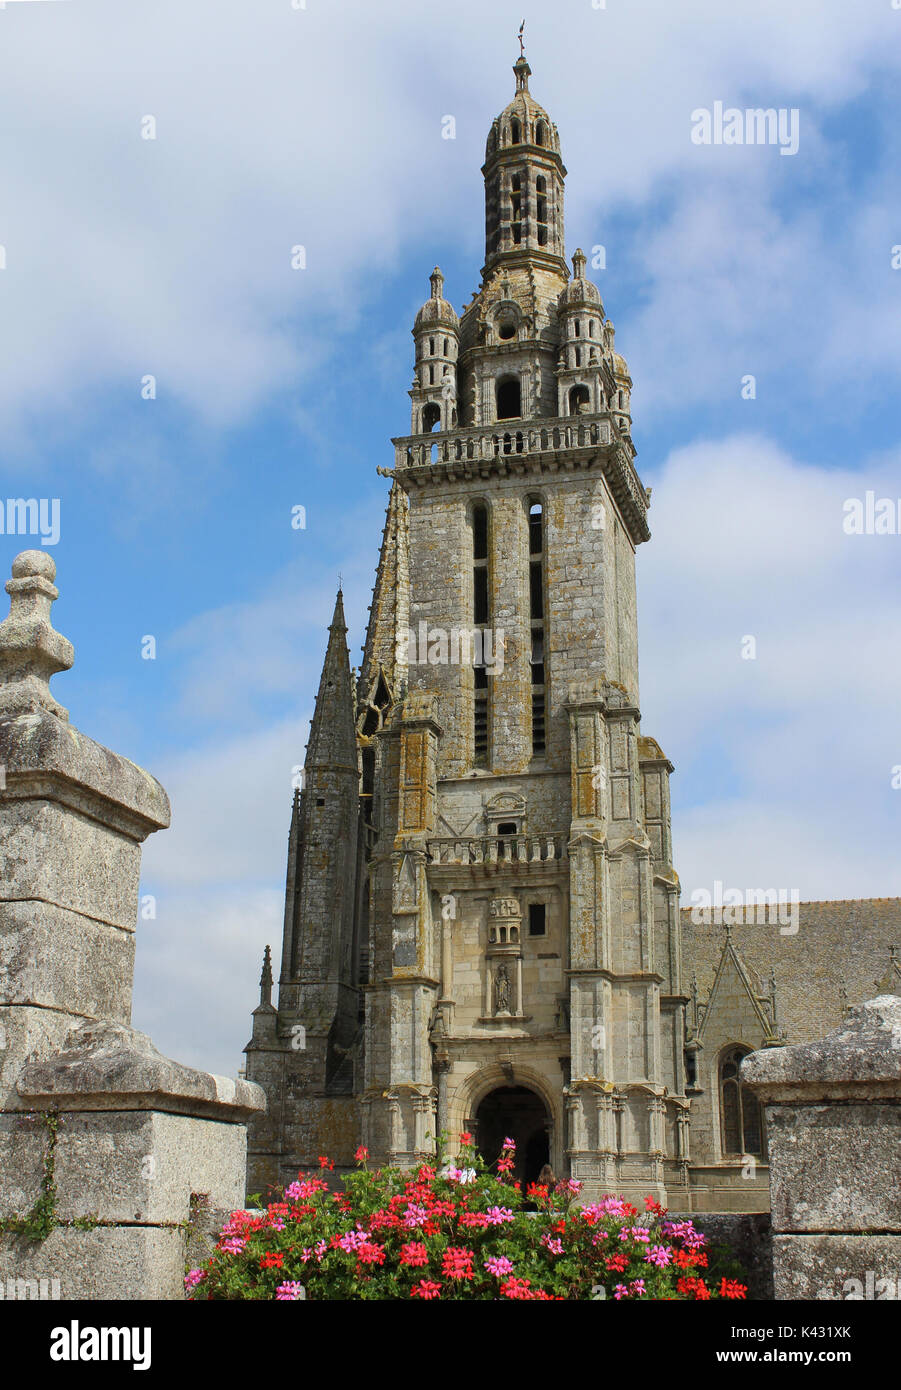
[(522, 47)]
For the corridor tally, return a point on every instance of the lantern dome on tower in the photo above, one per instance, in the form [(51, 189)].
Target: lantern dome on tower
[(523, 120), (580, 293), (436, 311)]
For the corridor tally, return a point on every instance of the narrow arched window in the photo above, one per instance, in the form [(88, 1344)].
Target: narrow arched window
[(741, 1123), (432, 347), (539, 133), (515, 132), (445, 347), (537, 621), (509, 406), (481, 618)]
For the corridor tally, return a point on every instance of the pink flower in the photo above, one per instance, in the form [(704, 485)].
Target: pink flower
[(554, 1245), (499, 1265), (637, 1286), (659, 1255), (639, 1233), (353, 1240), (415, 1216), (234, 1245), (509, 1143), (192, 1279), (620, 1292), (497, 1216), (288, 1292)]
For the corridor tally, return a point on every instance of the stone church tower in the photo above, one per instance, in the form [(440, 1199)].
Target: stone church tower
[(482, 927)]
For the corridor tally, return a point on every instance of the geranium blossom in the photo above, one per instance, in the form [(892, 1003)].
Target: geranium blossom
[(426, 1288), (289, 1291), (414, 1254), (387, 1231), (456, 1262)]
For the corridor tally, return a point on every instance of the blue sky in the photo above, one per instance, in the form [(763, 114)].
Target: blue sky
[(321, 126)]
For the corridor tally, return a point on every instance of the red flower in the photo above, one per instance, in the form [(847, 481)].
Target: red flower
[(617, 1263), (651, 1205), (414, 1254), (273, 1260), (362, 1154), (370, 1254), (684, 1259), (465, 1138), (325, 1162), (730, 1288), (426, 1288), (536, 1191), (517, 1288), (456, 1262)]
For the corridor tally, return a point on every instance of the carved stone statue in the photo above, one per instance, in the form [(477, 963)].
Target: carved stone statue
[(502, 991)]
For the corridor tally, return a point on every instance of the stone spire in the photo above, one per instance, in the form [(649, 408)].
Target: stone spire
[(389, 614), (333, 741), (266, 979), (31, 651)]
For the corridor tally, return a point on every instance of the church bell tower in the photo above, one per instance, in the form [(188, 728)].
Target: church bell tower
[(519, 965)]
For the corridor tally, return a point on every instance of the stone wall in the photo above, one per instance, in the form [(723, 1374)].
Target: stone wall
[(834, 1119), (104, 1143)]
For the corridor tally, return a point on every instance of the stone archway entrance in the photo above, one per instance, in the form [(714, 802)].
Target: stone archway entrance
[(519, 1114)]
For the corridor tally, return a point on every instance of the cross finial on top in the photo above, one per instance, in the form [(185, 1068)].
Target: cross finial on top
[(522, 46)]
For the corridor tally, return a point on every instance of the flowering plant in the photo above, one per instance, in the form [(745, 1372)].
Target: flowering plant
[(461, 1232)]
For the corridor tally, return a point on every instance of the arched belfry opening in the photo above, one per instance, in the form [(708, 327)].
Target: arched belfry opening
[(579, 400), (517, 1113), (509, 405)]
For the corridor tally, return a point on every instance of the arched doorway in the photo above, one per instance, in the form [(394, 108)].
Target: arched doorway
[(514, 1112)]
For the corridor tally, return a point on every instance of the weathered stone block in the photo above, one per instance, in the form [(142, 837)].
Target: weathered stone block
[(50, 852), (143, 1166), (821, 1266), (835, 1167), (58, 959), (109, 1262), (26, 1032)]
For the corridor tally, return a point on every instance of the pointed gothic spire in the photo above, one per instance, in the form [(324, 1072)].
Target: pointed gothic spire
[(266, 979), (389, 613), (332, 736)]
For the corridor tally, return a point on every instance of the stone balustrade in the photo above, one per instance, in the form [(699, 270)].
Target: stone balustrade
[(505, 437), (497, 850)]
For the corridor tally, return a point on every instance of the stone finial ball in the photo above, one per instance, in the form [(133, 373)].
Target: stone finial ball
[(34, 562)]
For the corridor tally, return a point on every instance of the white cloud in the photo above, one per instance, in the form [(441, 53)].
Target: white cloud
[(321, 126), (783, 762)]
